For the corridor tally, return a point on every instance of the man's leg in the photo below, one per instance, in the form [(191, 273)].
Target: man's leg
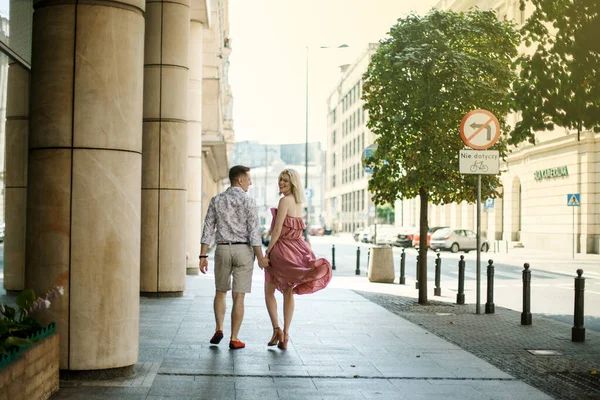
[(220, 305), (237, 314)]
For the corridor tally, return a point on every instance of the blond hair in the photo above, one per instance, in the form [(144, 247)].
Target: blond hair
[(296, 190)]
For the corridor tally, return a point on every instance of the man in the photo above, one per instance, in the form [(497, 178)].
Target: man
[(234, 217)]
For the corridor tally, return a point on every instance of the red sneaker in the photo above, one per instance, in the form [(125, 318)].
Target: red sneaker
[(216, 339), (236, 344)]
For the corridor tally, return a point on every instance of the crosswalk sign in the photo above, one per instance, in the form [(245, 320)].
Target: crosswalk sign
[(573, 200)]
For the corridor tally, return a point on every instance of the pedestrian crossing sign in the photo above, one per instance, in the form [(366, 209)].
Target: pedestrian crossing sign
[(573, 200)]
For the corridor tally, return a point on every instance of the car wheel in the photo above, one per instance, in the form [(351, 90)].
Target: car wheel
[(454, 248), (485, 247)]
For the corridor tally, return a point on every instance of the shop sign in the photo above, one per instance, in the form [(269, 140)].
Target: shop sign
[(551, 173)]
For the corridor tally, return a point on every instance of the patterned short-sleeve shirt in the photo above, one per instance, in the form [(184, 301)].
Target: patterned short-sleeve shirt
[(232, 216)]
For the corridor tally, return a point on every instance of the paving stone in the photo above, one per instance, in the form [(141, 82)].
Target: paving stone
[(500, 340)]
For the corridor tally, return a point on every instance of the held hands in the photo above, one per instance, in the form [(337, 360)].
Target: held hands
[(263, 262), (203, 265)]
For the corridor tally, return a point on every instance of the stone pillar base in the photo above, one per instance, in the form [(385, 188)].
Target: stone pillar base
[(97, 374), (161, 294), (192, 271), (381, 265)]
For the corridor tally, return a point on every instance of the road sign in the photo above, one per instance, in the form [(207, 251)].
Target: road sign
[(479, 129), (479, 162), (308, 193), (489, 203), (574, 200), (368, 153)]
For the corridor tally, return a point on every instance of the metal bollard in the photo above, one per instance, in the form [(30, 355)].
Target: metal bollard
[(490, 308), (417, 274), (437, 291), (526, 314), (460, 296), (368, 260), (333, 257), (578, 331), (357, 272), (402, 267)]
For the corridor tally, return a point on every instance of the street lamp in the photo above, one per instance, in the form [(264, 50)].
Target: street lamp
[(306, 126)]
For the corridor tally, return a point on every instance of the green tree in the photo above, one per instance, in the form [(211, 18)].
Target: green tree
[(386, 214), (559, 82), (425, 76)]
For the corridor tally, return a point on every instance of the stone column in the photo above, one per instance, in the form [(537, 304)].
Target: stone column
[(84, 176), (194, 163), (164, 176), (17, 128)]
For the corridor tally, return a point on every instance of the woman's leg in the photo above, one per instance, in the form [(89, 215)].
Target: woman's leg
[(288, 309), (271, 303)]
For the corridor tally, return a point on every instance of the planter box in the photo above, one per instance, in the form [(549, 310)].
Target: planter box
[(32, 373)]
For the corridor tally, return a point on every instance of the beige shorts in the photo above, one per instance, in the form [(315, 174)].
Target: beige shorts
[(235, 260)]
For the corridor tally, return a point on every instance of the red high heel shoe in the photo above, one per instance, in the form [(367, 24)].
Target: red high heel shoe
[(284, 342), (276, 338)]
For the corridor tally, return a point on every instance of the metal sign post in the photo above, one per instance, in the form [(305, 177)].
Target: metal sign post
[(479, 129), (574, 200)]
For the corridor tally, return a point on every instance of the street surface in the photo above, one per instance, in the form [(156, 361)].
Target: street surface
[(552, 277)]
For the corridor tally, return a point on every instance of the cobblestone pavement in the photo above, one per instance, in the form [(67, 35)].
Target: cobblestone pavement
[(500, 340)]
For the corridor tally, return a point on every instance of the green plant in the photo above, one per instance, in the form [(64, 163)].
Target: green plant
[(18, 325)]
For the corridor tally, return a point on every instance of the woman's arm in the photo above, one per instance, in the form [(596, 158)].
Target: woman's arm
[(282, 210)]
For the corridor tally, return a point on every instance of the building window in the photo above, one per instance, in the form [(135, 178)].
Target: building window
[(334, 159), (334, 136), (334, 115), (362, 199), (333, 181), (363, 141)]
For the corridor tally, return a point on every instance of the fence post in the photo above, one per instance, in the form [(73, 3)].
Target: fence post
[(417, 274), (526, 314), (333, 257), (402, 267), (437, 291), (460, 296), (490, 308), (357, 272), (578, 331)]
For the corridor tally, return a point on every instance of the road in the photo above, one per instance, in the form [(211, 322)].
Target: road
[(552, 277)]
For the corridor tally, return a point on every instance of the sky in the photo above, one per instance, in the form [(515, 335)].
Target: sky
[(269, 53)]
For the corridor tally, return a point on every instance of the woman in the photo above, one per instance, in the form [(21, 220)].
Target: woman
[(293, 268)]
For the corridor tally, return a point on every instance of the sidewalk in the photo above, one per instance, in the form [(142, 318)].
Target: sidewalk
[(342, 346)]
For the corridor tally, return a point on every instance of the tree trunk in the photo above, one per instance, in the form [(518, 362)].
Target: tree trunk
[(423, 247)]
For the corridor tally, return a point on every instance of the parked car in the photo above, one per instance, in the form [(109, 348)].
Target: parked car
[(387, 235), (265, 235), (456, 239), (358, 232), (417, 236), (369, 232), (405, 237), (316, 230), (2, 228)]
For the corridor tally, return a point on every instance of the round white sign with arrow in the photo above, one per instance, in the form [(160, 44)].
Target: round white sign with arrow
[(479, 129)]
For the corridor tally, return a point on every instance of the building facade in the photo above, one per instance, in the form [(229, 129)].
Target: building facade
[(348, 202), (118, 132), (536, 180)]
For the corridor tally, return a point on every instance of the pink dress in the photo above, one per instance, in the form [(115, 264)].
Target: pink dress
[(293, 264)]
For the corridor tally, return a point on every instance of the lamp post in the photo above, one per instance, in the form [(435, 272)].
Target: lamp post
[(306, 131)]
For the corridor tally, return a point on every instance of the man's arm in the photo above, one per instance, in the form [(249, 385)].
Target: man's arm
[(207, 234)]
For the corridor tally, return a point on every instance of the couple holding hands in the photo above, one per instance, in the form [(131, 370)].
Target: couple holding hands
[(289, 264)]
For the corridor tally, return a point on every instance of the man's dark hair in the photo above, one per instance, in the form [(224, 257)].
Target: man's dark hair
[(236, 171)]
